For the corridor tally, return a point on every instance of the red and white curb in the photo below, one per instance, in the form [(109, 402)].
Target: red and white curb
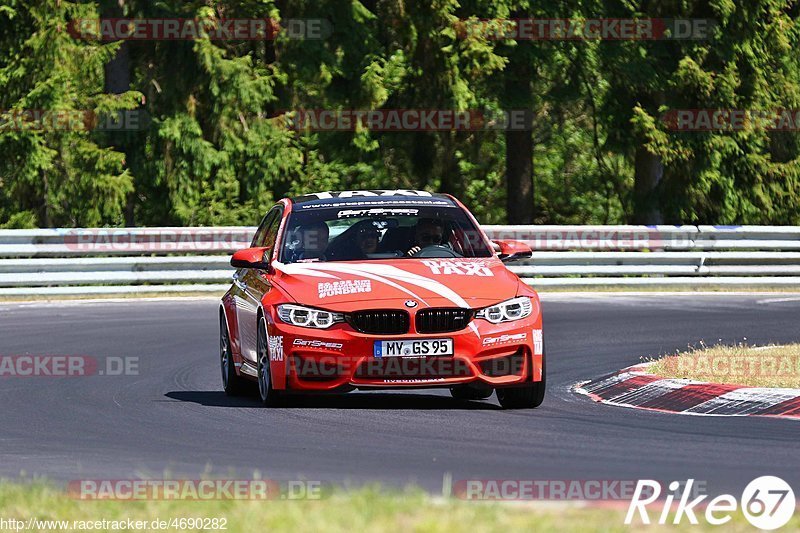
[(635, 387)]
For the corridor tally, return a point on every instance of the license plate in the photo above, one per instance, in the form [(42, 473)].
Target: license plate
[(414, 348)]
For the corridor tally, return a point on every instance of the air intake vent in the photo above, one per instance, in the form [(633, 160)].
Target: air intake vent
[(443, 320), (510, 365), (380, 321)]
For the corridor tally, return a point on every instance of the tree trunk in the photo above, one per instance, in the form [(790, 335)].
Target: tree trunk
[(117, 81), (118, 71), (451, 180), (649, 170), (519, 141), (519, 175)]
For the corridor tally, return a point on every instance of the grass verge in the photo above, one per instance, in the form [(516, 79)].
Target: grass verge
[(366, 509), (762, 366)]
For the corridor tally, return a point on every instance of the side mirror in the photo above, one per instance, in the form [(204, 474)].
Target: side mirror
[(513, 251), (252, 258)]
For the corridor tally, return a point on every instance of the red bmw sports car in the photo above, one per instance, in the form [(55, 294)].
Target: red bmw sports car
[(391, 289)]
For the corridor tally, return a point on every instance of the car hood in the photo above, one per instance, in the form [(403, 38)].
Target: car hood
[(351, 285)]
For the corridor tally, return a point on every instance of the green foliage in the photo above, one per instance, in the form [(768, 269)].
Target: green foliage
[(217, 149), (749, 62), (62, 175)]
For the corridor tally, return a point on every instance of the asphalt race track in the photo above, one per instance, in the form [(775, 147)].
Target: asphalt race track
[(173, 418)]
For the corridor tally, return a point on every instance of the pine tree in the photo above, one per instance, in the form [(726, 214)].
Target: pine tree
[(54, 174)]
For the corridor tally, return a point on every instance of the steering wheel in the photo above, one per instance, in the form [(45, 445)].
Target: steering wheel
[(436, 251)]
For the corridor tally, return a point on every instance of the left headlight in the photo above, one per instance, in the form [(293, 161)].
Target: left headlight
[(513, 309), (308, 317)]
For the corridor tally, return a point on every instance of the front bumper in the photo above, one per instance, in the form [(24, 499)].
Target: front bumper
[(497, 355)]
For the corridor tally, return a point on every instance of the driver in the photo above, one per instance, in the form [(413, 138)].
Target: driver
[(310, 242), (427, 232)]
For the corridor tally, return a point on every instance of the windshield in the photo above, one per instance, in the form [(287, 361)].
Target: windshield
[(369, 233)]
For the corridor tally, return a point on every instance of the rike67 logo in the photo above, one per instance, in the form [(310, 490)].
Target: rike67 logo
[(767, 502)]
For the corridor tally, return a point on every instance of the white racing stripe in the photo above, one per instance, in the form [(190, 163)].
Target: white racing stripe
[(385, 274), (388, 282), (410, 278), (295, 269), (315, 270)]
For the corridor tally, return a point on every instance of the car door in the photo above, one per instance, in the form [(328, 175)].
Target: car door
[(252, 284)]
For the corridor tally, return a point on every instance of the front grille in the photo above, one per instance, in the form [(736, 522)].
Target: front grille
[(380, 321), (443, 320)]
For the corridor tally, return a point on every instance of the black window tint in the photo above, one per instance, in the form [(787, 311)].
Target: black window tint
[(262, 228), (269, 226), (271, 233)]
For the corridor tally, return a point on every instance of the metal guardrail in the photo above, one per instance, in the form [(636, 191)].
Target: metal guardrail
[(157, 260)]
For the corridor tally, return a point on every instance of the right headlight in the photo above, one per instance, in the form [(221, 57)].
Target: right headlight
[(308, 317), (513, 309)]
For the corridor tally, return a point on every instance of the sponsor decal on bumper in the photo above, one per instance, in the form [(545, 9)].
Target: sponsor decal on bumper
[(316, 343), (504, 339)]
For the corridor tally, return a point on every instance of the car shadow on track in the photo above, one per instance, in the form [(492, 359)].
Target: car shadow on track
[(359, 400)]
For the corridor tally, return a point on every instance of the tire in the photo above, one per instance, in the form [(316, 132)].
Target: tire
[(469, 392), (232, 383), (269, 396), (528, 396)]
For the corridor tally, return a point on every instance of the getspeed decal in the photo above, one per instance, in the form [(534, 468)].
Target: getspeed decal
[(376, 212), (309, 343), (461, 268), (489, 341), (337, 288)]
